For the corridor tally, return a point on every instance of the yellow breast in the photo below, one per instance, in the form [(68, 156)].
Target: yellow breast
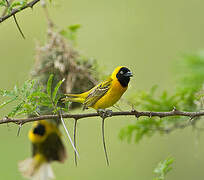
[(111, 97)]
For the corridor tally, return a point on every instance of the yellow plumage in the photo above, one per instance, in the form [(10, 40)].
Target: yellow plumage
[(46, 147), (105, 94), (49, 128)]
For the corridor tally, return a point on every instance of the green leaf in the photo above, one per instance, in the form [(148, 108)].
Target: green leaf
[(57, 99), (17, 108), (71, 32), (163, 168), (7, 102), (56, 90), (49, 85), (74, 28), (6, 93)]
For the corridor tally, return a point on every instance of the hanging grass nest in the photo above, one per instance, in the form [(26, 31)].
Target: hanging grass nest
[(59, 57)]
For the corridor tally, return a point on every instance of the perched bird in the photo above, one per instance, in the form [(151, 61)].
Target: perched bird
[(105, 94), (46, 147)]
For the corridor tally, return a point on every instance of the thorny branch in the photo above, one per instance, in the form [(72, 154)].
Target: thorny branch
[(16, 10), (14, 17), (135, 113)]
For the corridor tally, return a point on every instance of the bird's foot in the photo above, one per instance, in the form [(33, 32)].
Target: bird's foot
[(104, 113)]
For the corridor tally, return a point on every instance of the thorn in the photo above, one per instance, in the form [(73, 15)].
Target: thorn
[(5, 118), (174, 109), (150, 114), (132, 105), (14, 17), (191, 119), (67, 132), (104, 143), (136, 113), (75, 130), (19, 129), (19, 28)]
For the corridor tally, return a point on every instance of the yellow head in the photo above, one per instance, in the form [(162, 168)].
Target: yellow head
[(41, 130)]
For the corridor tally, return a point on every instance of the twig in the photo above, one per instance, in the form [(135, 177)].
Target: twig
[(86, 115), (104, 142), (16, 10)]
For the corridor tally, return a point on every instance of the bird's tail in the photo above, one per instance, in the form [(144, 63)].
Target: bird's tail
[(74, 98), (34, 170)]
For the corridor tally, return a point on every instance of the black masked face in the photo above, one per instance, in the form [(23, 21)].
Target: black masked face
[(39, 130), (123, 76)]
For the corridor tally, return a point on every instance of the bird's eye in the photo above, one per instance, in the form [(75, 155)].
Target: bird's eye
[(121, 72)]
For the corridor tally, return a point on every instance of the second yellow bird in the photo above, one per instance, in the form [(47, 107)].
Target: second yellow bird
[(47, 147), (105, 94)]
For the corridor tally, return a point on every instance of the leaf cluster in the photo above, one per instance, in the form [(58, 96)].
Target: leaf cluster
[(29, 98), (187, 96), (16, 4), (3, 3)]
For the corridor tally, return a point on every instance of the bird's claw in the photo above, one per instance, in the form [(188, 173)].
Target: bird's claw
[(104, 113)]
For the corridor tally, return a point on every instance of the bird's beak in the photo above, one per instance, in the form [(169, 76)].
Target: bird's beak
[(128, 74)]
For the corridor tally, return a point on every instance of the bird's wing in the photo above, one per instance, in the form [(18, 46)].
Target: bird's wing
[(53, 149), (96, 93)]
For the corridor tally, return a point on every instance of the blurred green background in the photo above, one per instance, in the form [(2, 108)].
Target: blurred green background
[(147, 37)]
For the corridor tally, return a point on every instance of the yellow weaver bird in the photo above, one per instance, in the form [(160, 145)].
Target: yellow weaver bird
[(105, 94), (46, 147)]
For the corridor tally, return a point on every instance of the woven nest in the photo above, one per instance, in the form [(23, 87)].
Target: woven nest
[(58, 57)]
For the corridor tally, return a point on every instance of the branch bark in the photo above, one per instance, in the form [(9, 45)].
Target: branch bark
[(135, 113), (16, 10)]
